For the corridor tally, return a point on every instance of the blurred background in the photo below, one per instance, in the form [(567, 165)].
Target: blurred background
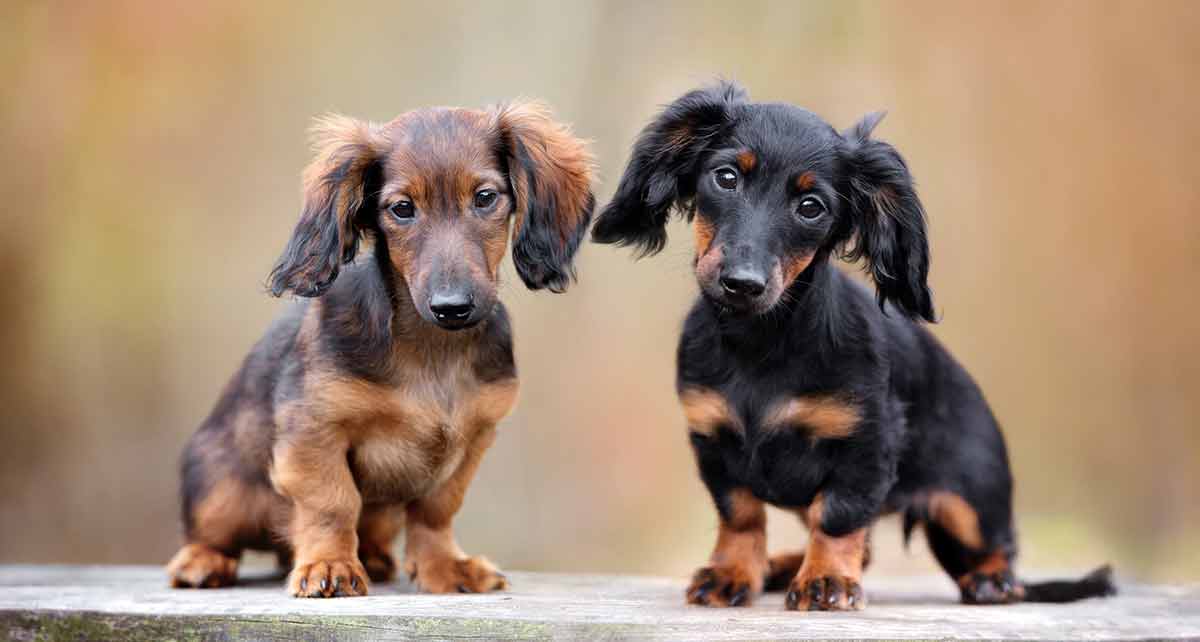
[(151, 161)]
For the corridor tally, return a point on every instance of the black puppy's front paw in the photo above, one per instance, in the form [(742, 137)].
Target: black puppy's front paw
[(825, 593), (726, 585)]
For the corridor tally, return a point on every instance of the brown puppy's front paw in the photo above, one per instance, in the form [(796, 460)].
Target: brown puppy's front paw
[(998, 587), (450, 575), (729, 585), (198, 566), (328, 578), (381, 566), (825, 593)]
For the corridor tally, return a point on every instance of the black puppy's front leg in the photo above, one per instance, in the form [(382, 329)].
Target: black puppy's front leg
[(830, 579), (738, 565)]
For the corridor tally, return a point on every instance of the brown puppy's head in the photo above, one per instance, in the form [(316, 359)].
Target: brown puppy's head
[(772, 190), (436, 189)]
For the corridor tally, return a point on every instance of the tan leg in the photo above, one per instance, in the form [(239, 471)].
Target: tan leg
[(433, 559), (829, 578), (737, 569), (310, 469), (377, 530)]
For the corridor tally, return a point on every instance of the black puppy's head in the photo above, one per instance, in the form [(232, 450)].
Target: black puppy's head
[(771, 189)]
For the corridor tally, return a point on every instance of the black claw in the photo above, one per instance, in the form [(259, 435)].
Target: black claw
[(816, 590), (304, 584), (462, 589), (354, 583), (739, 597), (792, 600), (324, 584)]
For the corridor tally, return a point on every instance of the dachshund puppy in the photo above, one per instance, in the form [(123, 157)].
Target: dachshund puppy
[(367, 406), (801, 388)]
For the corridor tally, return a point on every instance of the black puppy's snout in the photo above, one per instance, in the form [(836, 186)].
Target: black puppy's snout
[(743, 281), (452, 306)]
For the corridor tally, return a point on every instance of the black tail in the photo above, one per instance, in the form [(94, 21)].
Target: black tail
[(1098, 583)]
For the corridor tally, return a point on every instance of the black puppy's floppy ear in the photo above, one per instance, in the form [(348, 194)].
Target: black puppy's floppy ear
[(551, 175), (330, 225), (888, 220), (661, 173)]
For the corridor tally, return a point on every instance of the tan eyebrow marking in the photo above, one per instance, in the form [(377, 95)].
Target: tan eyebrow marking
[(805, 181), (747, 161)]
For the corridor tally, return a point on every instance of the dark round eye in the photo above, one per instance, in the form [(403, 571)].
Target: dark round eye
[(485, 199), (402, 210), (810, 207), (726, 178)]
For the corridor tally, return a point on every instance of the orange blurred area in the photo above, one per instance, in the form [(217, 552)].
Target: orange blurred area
[(151, 164)]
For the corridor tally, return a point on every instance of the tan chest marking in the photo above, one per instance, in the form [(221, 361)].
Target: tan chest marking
[(707, 411), (822, 417), (409, 439)]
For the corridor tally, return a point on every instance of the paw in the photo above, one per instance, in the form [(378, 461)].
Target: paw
[(381, 566), (825, 593), (328, 578), (999, 587), (731, 585), (451, 575), (198, 566)]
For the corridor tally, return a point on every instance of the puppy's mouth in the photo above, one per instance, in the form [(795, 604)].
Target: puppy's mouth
[(737, 304)]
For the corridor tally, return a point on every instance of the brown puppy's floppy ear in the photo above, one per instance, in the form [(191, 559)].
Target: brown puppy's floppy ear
[(888, 220), (661, 173), (551, 175), (330, 223)]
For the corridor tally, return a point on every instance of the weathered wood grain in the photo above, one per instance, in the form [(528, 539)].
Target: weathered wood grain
[(133, 603)]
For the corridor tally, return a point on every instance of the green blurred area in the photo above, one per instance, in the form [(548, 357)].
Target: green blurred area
[(151, 168)]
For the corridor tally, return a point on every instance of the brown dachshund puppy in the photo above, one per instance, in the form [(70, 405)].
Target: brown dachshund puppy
[(366, 408)]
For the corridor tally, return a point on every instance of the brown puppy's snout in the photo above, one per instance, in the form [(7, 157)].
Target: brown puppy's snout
[(452, 305), (455, 291)]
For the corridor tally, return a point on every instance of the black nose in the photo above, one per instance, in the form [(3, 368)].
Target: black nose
[(451, 307), (744, 282)]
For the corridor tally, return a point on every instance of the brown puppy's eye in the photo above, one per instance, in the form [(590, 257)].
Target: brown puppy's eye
[(810, 208), (726, 178), (403, 210), (485, 199)]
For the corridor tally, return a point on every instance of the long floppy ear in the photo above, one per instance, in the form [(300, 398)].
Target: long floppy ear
[(888, 221), (551, 175), (330, 225), (661, 173)]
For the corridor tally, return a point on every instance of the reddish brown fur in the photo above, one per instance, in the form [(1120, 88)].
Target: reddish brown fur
[(805, 181), (747, 161)]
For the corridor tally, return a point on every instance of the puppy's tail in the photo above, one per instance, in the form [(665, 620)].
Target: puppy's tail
[(1098, 583)]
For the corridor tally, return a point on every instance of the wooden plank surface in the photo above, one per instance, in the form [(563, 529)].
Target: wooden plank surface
[(134, 603)]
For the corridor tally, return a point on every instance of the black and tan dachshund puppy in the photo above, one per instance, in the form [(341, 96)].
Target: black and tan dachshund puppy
[(366, 408), (801, 388)]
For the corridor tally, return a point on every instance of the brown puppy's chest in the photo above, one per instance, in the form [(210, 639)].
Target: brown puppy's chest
[(420, 440)]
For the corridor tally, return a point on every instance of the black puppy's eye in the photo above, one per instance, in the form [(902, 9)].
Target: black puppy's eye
[(810, 207), (403, 210), (485, 199), (726, 178)]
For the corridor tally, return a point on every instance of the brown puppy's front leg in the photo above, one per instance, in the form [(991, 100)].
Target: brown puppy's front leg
[(310, 468), (829, 578), (738, 565), (433, 559)]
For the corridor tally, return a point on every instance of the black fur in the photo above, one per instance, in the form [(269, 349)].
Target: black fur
[(924, 426)]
